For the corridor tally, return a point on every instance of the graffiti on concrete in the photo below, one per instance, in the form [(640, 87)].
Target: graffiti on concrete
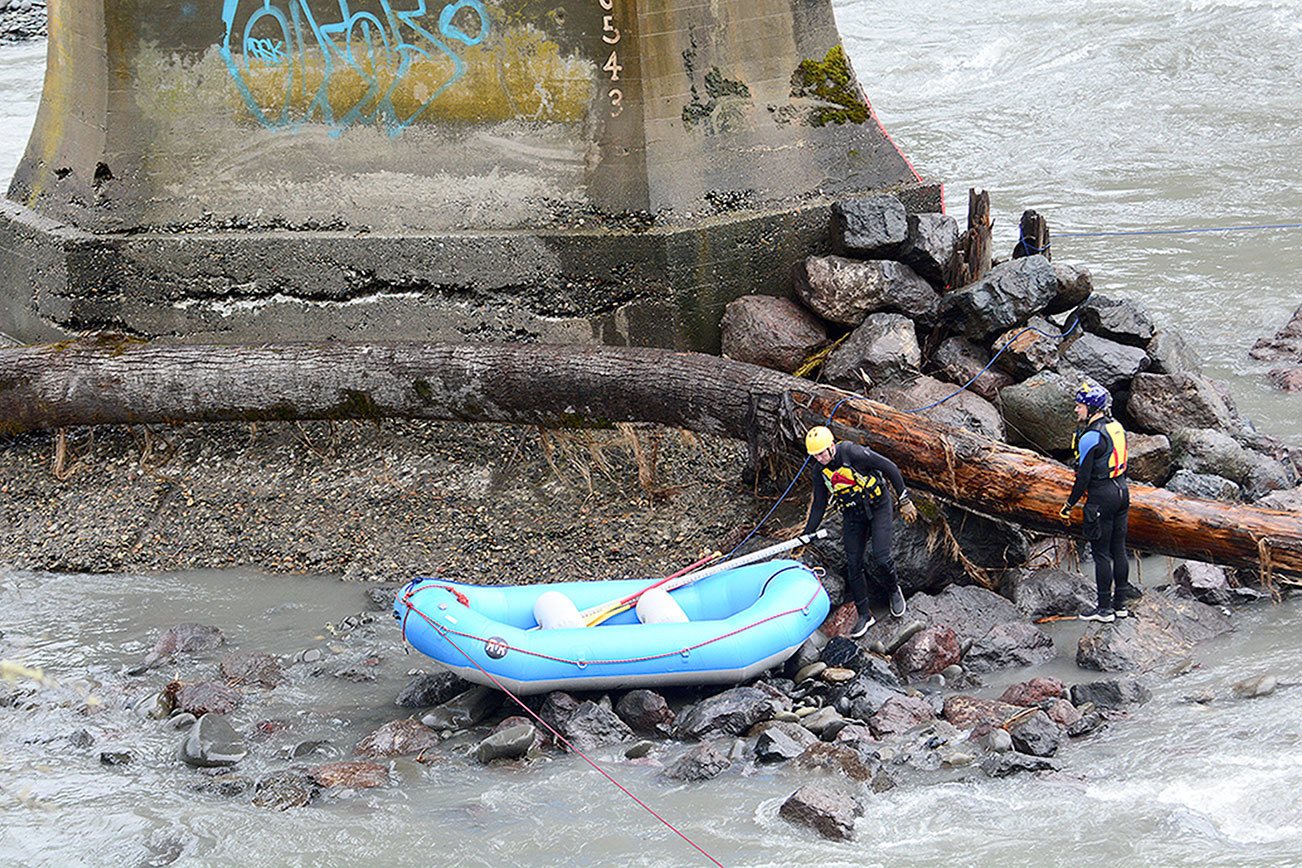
[(293, 66)]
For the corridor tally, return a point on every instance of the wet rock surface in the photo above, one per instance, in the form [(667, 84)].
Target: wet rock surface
[(828, 811), (1162, 628)]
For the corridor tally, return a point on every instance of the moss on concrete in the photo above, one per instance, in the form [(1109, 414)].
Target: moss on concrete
[(832, 81)]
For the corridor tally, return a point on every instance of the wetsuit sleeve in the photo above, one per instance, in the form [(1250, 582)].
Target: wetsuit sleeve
[(817, 506), (1089, 441), (866, 461)]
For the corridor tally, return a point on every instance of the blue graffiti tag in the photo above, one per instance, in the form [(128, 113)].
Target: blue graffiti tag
[(276, 34)]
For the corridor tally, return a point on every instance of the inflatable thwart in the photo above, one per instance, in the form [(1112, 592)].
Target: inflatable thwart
[(738, 623)]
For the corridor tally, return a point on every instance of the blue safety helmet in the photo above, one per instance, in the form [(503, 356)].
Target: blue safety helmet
[(1092, 395)]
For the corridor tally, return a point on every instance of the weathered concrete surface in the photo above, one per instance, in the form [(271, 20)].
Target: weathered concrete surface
[(482, 169)]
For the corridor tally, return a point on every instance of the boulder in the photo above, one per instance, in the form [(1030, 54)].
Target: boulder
[(1001, 765), (351, 774), (1110, 693), (208, 697), (1120, 320), (1162, 628), (930, 246), (252, 668), (1285, 500), (426, 691), (1106, 362), (1025, 350), (1149, 458), (884, 349), (1049, 591), (1206, 583), (957, 360), (1204, 485), (971, 612), (213, 743), (731, 712), (1286, 379), (783, 741), (840, 758), (771, 332), (1006, 295), (1015, 643), (899, 714), (967, 712), (464, 710), (964, 410), (871, 227), (1170, 354), (828, 811), (927, 652), (647, 712), (397, 738), (593, 725), (925, 563), (844, 291), (1285, 345), (863, 696), (701, 763), (188, 638), (1074, 286), (1208, 451), (1033, 692), (1061, 712), (280, 791), (512, 743), (1166, 402), (1036, 735), (1038, 411)]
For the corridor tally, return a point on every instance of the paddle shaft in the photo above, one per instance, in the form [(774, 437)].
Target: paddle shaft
[(596, 614)]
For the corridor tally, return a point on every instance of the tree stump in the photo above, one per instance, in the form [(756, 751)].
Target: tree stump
[(1033, 236)]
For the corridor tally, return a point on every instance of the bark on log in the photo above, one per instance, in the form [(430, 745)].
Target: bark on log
[(974, 254), (98, 383), (1034, 236)]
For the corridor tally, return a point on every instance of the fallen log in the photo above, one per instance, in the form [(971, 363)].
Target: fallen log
[(109, 382)]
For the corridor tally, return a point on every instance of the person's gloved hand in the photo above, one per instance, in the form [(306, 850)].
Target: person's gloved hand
[(1065, 513), (908, 511)]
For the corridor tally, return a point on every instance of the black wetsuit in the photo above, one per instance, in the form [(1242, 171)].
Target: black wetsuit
[(1107, 511), (867, 517)]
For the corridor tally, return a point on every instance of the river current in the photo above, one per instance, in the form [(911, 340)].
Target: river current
[(1116, 116)]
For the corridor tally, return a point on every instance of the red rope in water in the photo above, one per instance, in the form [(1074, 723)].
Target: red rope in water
[(502, 687)]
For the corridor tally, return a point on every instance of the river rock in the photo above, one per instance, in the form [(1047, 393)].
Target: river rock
[(958, 360), (465, 710), (1110, 693), (1038, 411), (840, 758), (884, 349), (701, 763), (1061, 712), (1025, 350), (871, 227), (428, 690), (1036, 735), (899, 714), (350, 774), (1120, 320), (280, 791), (228, 785), (1162, 628), (1290, 499), (1204, 485), (966, 712), (1015, 643), (964, 410), (1006, 295), (1166, 402), (995, 740), (864, 696), (1285, 345), (1049, 591), (1209, 451), (1170, 354), (1206, 583), (1075, 283), (1149, 457), (187, 638), (1251, 688), (987, 543), (511, 743), (770, 331), (252, 668), (1286, 379), (1106, 362), (731, 712), (1033, 692), (380, 596), (828, 811), (782, 742), (594, 725), (213, 743), (824, 722), (115, 757), (646, 711), (970, 611), (1001, 765), (927, 652), (845, 291), (398, 738), (208, 697), (844, 653), (930, 246)]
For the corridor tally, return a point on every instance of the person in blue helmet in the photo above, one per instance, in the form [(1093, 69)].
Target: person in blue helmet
[(1100, 446), (854, 480)]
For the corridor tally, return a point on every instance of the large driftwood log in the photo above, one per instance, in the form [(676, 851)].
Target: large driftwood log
[(102, 382)]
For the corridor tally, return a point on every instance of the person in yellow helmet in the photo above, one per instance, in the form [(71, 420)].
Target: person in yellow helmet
[(852, 481)]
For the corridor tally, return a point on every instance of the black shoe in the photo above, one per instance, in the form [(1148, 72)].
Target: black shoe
[(1128, 593), (1120, 611), (1106, 616), (898, 606), (861, 626)]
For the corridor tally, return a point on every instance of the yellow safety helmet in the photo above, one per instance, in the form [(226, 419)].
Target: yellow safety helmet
[(818, 439)]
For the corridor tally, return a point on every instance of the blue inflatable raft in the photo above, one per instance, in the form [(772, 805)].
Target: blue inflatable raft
[(742, 621)]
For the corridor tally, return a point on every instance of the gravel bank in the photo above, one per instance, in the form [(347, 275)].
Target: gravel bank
[(483, 503)]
